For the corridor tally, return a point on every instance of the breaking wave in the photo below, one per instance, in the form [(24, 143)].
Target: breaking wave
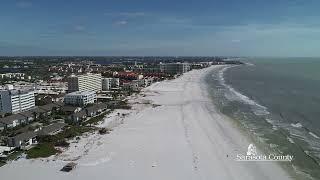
[(234, 95)]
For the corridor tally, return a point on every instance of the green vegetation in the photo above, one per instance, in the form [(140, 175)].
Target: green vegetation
[(11, 157), (46, 146), (96, 119), (2, 163), (41, 151), (73, 131), (14, 155), (59, 139), (120, 105)]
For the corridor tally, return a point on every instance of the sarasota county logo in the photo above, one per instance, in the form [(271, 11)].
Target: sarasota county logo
[(252, 155), (252, 150)]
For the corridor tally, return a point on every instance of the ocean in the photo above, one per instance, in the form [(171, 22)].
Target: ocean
[(277, 101)]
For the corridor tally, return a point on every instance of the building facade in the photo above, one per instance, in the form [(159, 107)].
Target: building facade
[(15, 101), (108, 83), (80, 98), (85, 82), (175, 68)]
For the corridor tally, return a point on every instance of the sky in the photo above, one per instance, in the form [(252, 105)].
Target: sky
[(287, 28)]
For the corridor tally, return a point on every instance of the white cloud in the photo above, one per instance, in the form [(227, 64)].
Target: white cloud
[(122, 22), (132, 14), (175, 20), (125, 14)]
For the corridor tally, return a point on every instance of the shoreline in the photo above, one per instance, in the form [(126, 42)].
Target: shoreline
[(183, 138), (303, 165)]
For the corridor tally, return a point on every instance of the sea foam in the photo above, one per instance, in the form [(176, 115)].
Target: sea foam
[(297, 125), (237, 96)]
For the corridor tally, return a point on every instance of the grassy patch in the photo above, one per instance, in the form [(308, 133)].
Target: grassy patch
[(47, 144), (14, 155), (73, 131), (96, 119), (41, 151), (59, 139), (2, 163)]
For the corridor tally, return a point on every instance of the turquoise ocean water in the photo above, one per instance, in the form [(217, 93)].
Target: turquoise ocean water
[(277, 101)]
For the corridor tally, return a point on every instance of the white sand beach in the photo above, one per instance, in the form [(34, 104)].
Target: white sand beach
[(183, 138)]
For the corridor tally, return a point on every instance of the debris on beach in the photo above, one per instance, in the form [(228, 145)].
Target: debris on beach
[(69, 167)]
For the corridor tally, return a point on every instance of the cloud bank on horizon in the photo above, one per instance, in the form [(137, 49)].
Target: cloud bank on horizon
[(150, 27)]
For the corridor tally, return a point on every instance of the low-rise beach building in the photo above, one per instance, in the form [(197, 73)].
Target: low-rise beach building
[(78, 116), (80, 98), (51, 129), (131, 86), (23, 140), (96, 109), (12, 121)]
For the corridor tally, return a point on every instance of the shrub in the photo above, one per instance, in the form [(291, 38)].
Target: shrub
[(41, 151), (62, 143)]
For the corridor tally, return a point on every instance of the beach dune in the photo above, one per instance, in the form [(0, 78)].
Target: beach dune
[(184, 137)]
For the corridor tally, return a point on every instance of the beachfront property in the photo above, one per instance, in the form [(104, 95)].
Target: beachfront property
[(96, 109), (80, 98), (108, 83), (5, 150), (52, 88), (26, 117), (148, 81), (52, 107), (174, 68), (14, 76), (85, 82), (23, 140), (133, 85), (29, 115), (78, 117), (12, 121), (15, 101), (90, 111), (51, 129)]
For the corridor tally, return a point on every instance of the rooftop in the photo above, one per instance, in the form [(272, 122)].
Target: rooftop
[(96, 107), (27, 113), (49, 107), (81, 93), (11, 118), (51, 128), (17, 91), (25, 136)]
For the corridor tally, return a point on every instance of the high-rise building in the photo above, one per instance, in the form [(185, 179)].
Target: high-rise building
[(108, 83), (80, 98), (175, 68), (84, 82), (15, 101)]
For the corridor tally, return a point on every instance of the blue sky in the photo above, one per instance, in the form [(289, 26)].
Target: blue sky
[(154, 27)]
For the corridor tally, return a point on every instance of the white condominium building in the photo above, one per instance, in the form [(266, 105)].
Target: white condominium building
[(108, 83), (80, 98), (15, 101), (175, 68), (84, 82)]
